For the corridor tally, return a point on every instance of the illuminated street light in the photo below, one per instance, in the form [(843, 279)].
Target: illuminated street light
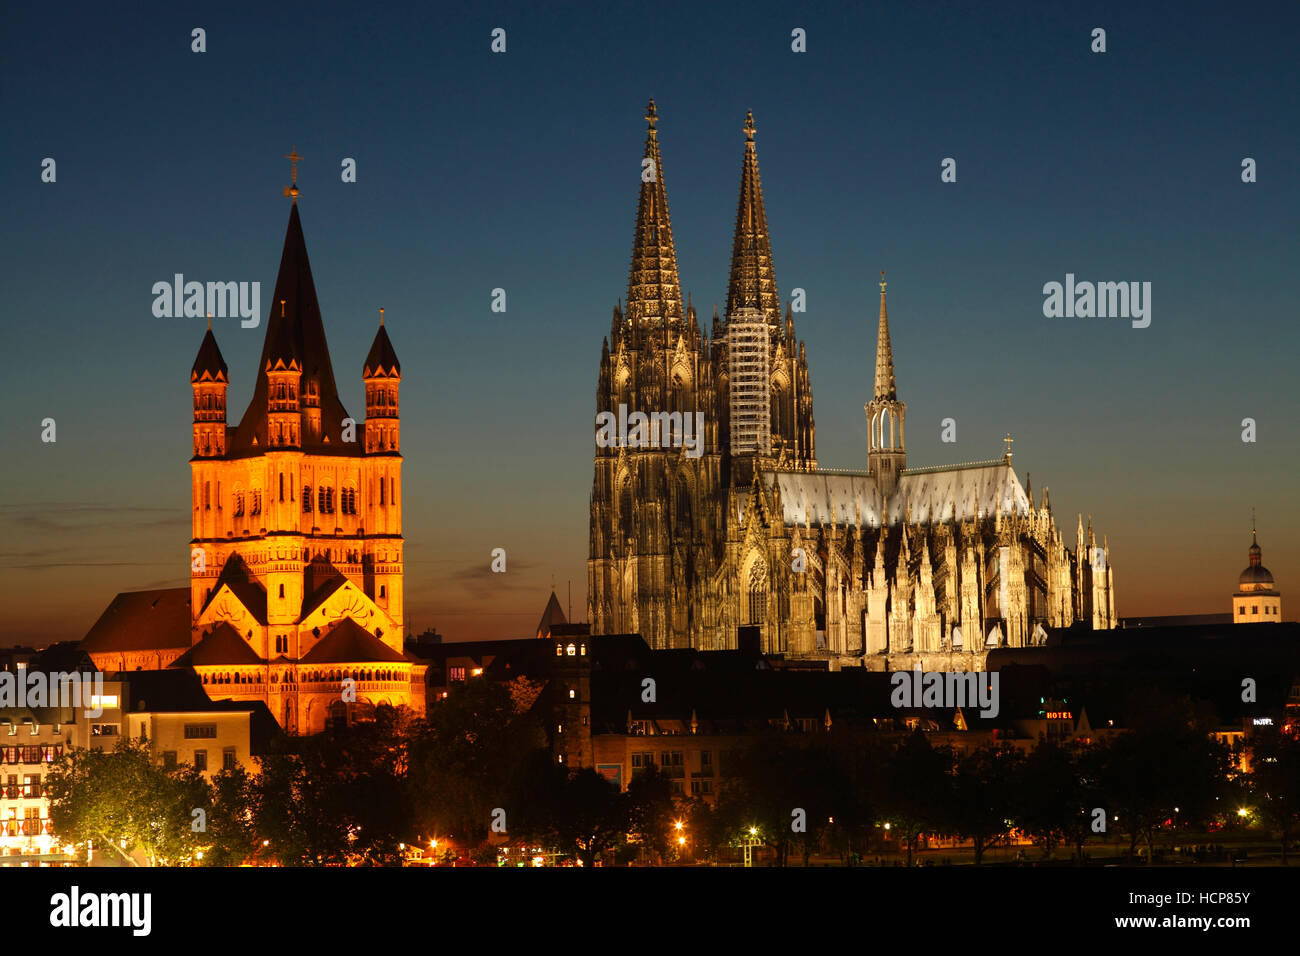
[(1243, 812)]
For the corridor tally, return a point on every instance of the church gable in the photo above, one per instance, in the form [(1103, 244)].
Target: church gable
[(346, 601), (242, 605)]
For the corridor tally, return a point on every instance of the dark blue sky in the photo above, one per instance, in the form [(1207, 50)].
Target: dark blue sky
[(520, 171)]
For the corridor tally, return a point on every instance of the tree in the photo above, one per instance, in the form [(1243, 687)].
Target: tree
[(594, 815), (338, 797), (1167, 766), (1275, 783), (651, 811), (917, 788), (121, 801), (982, 795), (230, 834), (1045, 794), (467, 757)]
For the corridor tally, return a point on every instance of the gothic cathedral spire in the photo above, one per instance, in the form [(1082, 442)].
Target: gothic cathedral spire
[(753, 278), (654, 297), (886, 451)]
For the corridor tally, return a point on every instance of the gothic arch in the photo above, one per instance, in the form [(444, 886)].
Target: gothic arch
[(753, 588)]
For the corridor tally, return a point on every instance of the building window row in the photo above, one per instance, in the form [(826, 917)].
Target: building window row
[(35, 753)]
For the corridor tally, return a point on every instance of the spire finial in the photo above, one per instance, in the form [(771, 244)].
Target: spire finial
[(1253, 538), (1252, 510), (381, 317), (651, 115), (749, 126), (882, 283), (291, 191), (1008, 440)]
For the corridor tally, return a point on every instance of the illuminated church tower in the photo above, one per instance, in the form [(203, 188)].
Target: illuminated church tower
[(296, 551)]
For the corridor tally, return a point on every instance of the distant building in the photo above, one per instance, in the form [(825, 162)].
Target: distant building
[(1256, 600)]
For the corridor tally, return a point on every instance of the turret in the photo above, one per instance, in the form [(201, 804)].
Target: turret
[(209, 379), (382, 375)]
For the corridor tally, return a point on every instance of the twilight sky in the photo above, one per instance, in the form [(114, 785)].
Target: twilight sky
[(520, 170)]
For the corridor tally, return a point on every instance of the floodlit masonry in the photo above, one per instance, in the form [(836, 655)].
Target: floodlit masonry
[(683, 430), (886, 567)]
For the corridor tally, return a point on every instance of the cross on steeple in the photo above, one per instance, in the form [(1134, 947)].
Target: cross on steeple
[(1008, 440), (291, 191)]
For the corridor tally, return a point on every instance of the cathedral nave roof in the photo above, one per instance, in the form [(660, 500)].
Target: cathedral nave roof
[(944, 493)]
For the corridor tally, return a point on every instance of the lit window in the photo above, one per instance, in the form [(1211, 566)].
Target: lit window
[(571, 650), (572, 693)]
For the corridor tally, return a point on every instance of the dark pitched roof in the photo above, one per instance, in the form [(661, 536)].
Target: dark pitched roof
[(65, 656), (382, 358), (301, 324), (325, 579), (552, 615), (222, 645), (350, 643), (142, 621), (209, 362), (238, 578)]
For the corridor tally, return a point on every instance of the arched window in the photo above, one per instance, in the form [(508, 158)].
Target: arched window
[(306, 499), (756, 595), (626, 510)]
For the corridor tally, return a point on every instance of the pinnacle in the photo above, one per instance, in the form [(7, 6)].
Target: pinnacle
[(886, 387), (753, 278)]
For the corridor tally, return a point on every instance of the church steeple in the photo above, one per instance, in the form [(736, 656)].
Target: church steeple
[(654, 297), (753, 278), (886, 415), (886, 387), (295, 332)]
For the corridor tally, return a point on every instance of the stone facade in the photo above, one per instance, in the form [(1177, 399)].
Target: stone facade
[(887, 568)]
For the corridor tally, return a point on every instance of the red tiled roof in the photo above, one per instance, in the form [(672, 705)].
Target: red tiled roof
[(142, 621)]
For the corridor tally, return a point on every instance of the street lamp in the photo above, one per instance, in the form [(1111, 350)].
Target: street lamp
[(749, 842)]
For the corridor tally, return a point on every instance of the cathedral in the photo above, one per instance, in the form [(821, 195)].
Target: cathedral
[(748, 542), (296, 548)]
